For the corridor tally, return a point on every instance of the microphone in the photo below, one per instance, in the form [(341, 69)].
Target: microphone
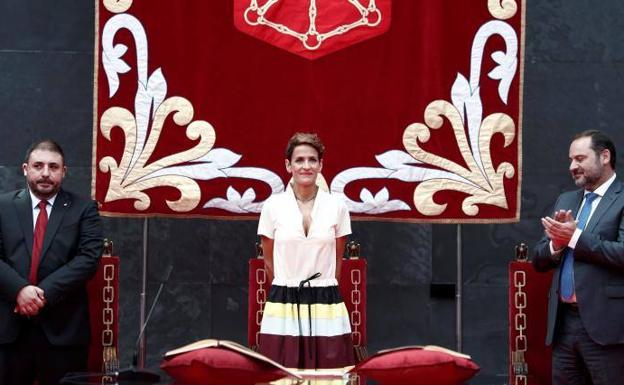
[(133, 373)]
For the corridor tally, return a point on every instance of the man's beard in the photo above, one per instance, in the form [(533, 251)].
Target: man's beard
[(589, 177), (46, 192)]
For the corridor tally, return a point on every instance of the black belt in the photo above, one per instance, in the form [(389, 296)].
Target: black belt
[(299, 290)]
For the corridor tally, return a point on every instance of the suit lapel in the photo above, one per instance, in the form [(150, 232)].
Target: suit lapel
[(61, 204), (23, 205), (603, 206)]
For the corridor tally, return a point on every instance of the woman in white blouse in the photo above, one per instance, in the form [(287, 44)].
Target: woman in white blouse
[(304, 229)]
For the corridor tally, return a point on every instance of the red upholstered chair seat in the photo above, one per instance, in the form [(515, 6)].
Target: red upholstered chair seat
[(219, 362), (352, 288), (418, 365), (530, 358)]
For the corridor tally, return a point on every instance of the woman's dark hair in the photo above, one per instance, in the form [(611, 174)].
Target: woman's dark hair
[(309, 139)]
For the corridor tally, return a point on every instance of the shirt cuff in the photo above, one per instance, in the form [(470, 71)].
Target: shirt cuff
[(575, 238), (552, 249)]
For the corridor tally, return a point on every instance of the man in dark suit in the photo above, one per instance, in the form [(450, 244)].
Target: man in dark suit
[(584, 243), (50, 245)]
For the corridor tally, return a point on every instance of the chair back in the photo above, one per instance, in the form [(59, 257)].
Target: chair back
[(103, 291), (530, 359)]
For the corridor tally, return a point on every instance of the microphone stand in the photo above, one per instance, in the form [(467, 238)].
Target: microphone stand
[(133, 373)]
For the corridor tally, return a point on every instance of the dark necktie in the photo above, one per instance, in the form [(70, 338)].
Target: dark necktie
[(40, 227), (567, 271)]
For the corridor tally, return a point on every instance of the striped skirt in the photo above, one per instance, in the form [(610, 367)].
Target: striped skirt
[(306, 327)]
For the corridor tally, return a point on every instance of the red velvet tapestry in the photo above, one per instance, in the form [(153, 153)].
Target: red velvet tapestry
[(417, 101)]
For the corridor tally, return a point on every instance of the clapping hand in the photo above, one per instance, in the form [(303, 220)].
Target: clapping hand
[(559, 228)]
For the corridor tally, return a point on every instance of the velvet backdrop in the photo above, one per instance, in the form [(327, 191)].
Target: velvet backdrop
[(419, 108)]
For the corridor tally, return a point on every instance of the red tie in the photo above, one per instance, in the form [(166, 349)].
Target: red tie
[(40, 228)]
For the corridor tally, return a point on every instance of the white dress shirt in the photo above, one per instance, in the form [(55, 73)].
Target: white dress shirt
[(35, 206)]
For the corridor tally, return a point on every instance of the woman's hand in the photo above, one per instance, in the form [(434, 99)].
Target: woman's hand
[(267, 254)]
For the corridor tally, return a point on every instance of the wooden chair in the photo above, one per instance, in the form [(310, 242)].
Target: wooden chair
[(529, 357), (103, 291)]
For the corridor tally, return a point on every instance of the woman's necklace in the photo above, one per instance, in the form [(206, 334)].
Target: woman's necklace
[(306, 200)]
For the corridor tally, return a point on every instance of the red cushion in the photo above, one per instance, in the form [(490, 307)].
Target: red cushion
[(415, 365), (216, 366)]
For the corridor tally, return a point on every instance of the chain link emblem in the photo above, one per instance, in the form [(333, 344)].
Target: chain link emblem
[(520, 344)]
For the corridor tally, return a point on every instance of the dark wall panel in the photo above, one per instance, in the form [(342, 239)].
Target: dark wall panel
[(574, 74)]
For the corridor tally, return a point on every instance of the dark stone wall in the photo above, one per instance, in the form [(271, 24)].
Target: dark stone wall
[(574, 78)]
